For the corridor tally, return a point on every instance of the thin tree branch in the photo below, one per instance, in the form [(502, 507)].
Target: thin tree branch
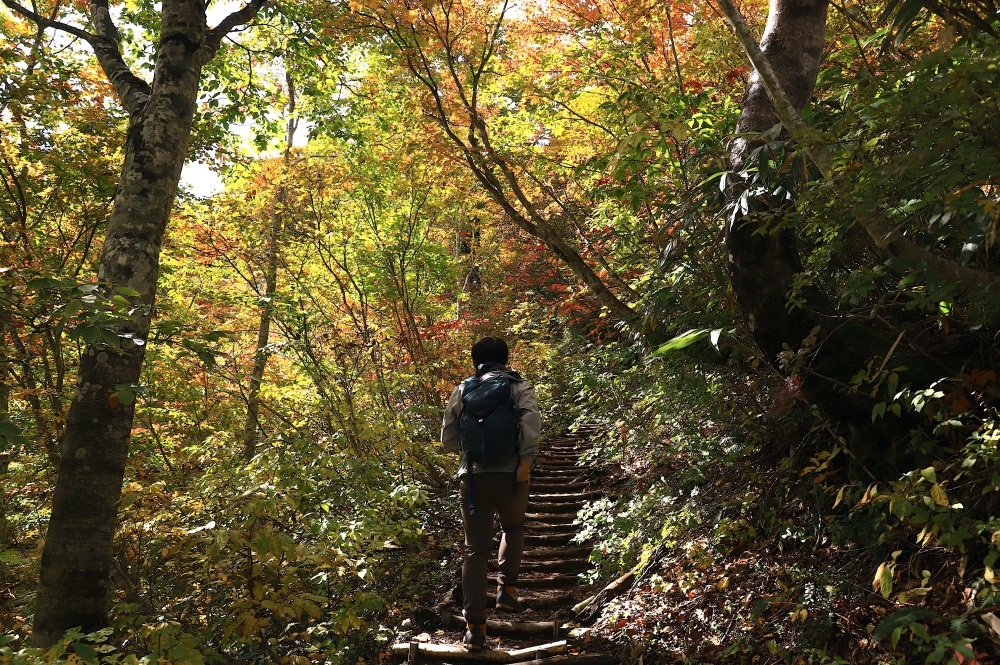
[(214, 37), (46, 22), (132, 90)]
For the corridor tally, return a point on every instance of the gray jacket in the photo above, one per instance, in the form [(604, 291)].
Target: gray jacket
[(531, 424)]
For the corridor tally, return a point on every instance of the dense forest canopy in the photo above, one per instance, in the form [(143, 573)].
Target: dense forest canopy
[(767, 275)]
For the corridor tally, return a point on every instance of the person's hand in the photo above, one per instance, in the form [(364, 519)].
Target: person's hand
[(524, 471)]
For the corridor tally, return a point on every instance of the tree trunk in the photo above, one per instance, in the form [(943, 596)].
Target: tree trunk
[(763, 265), (76, 560), (251, 425), (5, 454)]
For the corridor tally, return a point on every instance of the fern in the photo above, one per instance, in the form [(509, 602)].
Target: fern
[(902, 619)]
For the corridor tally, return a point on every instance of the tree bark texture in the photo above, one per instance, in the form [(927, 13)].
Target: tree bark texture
[(5, 453), (762, 265), (76, 560)]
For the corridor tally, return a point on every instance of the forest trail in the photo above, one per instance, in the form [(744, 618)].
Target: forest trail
[(549, 583)]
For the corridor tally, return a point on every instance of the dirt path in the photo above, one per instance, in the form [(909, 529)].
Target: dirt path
[(549, 583)]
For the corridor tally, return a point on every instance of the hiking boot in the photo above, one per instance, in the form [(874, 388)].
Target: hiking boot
[(507, 599), (475, 636)]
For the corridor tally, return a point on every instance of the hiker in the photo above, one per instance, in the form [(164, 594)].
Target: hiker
[(494, 415)]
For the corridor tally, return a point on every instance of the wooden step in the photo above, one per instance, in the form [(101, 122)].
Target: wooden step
[(458, 653), (547, 580), (551, 518), (546, 486), (552, 507), (576, 451), (574, 659), (561, 473), (540, 600), (496, 627), (542, 529), (556, 526), (563, 497), (548, 539), (575, 551), (555, 566), (558, 565)]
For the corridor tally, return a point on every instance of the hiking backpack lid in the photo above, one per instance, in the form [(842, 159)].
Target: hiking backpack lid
[(490, 425)]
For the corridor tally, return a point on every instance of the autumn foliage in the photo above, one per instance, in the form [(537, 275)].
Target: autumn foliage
[(556, 173)]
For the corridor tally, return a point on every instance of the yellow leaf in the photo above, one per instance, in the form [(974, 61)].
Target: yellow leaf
[(869, 494), (885, 582), (877, 581), (989, 576), (840, 496), (939, 495)]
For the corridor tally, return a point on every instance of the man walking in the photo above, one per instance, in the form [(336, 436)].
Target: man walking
[(492, 421)]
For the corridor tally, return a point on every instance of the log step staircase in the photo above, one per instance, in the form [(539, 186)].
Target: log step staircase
[(549, 585)]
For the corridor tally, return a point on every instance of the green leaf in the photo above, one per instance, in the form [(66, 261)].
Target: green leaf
[(110, 338), (681, 341), (86, 652), (73, 307), (43, 283), (920, 631), (965, 649), (11, 433), (902, 619), (896, 634)]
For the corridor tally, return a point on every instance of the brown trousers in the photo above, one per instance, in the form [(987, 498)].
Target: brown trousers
[(494, 497)]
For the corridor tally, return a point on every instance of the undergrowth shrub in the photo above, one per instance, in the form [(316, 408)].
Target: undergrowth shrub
[(660, 427)]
